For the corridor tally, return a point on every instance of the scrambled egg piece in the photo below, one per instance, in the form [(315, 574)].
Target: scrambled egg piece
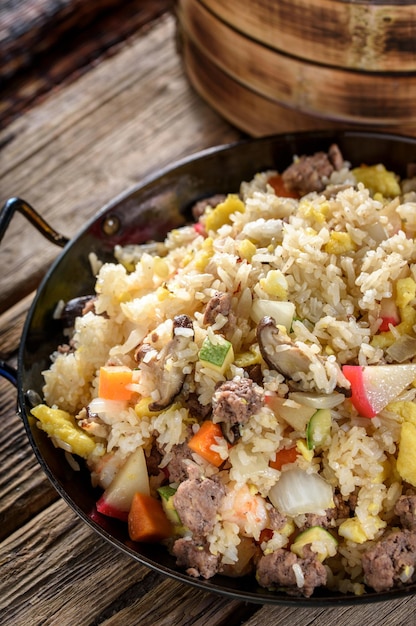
[(378, 180), (406, 458), (339, 243), (406, 292), (221, 214), (309, 211), (61, 426), (275, 284), (353, 530), (246, 249)]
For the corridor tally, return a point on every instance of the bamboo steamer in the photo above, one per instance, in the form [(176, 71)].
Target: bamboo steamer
[(286, 92), (244, 108), (365, 35)]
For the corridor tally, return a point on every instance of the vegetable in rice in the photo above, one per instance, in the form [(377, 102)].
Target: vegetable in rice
[(261, 365)]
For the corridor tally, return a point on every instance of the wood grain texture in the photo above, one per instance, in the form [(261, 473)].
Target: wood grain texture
[(24, 490), (45, 43), (250, 111), (376, 36), (332, 93), (94, 139), (128, 116), (29, 27)]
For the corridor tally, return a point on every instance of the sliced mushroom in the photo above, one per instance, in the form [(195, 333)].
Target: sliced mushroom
[(279, 351), (283, 355), (169, 366), (142, 350), (220, 303), (76, 308)]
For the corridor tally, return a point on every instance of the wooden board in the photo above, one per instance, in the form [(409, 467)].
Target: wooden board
[(45, 43), (89, 142)]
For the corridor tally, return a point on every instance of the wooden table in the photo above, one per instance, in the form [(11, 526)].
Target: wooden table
[(89, 139)]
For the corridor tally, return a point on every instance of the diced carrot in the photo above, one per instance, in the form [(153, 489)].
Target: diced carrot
[(283, 456), (265, 535), (147, 520), (202, 441), (113, 382), (280, 189)]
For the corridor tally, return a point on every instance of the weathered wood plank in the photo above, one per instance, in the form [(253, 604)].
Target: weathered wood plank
[(24, 489), (55, 554), (94, 139), (395, 613), (11, 326), (46, 559), (47, 43), (174, 603)]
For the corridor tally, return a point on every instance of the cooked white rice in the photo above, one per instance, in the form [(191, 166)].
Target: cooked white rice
[(336, 259)]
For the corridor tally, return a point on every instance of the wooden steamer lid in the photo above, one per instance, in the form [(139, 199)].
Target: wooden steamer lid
[(365, 35), (261, 89)]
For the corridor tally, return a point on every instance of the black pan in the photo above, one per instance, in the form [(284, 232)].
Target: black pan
[(144, 213)]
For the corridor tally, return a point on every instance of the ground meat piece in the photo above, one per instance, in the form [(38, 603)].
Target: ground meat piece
[(341, 510), (200, 207), (406, 510), (218, 304), (277, 519), (196, 558), (276, 570), (387, 560), (352, 501), (255, 373), (176, 467), (196, 409), (152, 461), (197, 503), (308, 173), (235, 401)]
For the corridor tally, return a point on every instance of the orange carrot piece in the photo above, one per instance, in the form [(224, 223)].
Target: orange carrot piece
[(147, 520), (283, 456), (113, 382), (202, 441), (265, 535), (280, 188)]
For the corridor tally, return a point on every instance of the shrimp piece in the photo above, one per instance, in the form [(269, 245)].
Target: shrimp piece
[(245, 509)]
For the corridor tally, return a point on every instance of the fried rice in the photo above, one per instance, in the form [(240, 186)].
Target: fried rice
[(296, 285)]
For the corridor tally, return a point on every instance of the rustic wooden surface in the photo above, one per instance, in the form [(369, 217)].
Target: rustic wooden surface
[(91, 138), (44, 43)]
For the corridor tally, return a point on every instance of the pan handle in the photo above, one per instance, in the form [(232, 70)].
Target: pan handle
[(8, 372), (17, 204)]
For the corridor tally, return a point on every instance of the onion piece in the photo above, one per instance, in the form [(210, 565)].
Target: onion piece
[(280, 310), (317, 400), (403, 349), (377, 232), (298, 492), (103, 407)]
